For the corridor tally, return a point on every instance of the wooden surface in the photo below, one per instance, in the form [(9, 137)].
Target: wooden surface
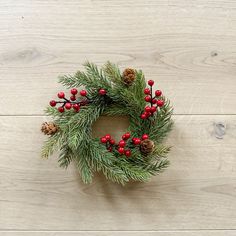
[(188, 47), (125, 233)]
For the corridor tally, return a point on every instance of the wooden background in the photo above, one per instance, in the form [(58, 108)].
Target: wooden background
[(188, 47)]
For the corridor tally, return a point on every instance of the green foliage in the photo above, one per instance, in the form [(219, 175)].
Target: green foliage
[(65, 156), (94, 79), (51, 145), (112, 72), (162, 124), (74, 139)]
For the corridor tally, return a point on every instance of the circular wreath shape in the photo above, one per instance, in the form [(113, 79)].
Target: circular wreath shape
[(139, 154)]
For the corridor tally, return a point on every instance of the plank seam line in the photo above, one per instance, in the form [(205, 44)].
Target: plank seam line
[(132, 231), (35, 115)]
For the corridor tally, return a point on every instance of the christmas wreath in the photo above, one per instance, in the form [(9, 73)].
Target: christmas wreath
[(139, 153)]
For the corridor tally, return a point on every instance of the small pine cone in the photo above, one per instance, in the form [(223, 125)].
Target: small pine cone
[(147, 146), (49, 128), (128, 76)]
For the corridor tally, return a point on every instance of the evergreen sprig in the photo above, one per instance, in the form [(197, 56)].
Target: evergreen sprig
[(74, 139)]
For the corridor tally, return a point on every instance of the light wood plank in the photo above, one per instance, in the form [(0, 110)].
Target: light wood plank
[(125, 233), (196, 192), (188, 47)]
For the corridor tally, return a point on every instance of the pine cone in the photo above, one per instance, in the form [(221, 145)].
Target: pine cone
[(49, 128), (147, 146), (128, 76)]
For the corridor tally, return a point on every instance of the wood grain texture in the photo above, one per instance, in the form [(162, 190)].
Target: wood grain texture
[(196, 192), (125, 233), (188, 47)]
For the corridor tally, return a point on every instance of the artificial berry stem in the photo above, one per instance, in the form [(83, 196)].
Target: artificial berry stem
[(152, 99), (121, 147), (72, 102), (66, 99), (151, 95)]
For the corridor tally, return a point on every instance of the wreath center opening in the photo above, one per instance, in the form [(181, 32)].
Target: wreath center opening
[(113, 125)]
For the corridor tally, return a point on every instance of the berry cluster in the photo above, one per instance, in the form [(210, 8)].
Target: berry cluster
[(124, 142), (154, 101), (108, 141), (73, 102), (120, 147)]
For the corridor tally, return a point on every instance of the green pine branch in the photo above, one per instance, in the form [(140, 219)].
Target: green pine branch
[(113, 73), (74, 139), (65, 156), (51, 145), (162, 124)]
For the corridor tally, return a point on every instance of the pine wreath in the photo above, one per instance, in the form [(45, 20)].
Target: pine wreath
[(139, 154)]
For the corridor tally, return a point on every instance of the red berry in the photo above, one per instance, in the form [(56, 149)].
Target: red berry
[(150, 82), (53, 103), (103, 140), (158, 93), (102, 92), (72, 98), (122, 143), (61, 95), (109, 149), (147, 114), (154, 101), (143, 116), (147, 99), (127, 135), (68, 106), (147, 91), (147, 109), (121, 150), (128, 153), (112, 141), (145, 136), (153, 109), (137, 141), (74, 91), (83, 92), (61, 109), (133, 139), (76, 107), (108, 137), (160, 103)]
